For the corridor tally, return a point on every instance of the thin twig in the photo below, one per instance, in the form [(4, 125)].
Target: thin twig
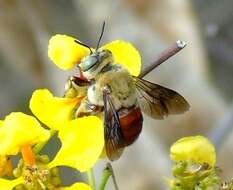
[(166, 54)]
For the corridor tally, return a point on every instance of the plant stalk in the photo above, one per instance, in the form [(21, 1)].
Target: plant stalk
[(91, 178)]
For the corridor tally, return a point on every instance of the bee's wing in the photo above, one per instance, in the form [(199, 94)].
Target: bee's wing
[(157, 101), (114, 139)]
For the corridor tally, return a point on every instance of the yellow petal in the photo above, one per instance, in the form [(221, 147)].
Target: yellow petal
[(126, 54), (82, 143), (77, 186), (9, 184), (19, 129), (50, 110), (1, 123), (195, 148), (65, 52)]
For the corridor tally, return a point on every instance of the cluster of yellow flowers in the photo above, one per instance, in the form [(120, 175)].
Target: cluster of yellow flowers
[(82, 143), (82, 138), (195, 166), (195, 148)]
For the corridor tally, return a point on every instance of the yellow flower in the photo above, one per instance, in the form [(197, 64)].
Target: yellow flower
[(19, 129), (126, 54), (50, 110), (66, 53), (1, 123), (77, 186), (82, 143), (195, 148), (9, 184)]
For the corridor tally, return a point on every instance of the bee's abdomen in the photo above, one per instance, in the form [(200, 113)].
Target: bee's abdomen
[(131, 124)]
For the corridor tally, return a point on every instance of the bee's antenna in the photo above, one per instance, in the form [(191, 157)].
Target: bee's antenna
[(101, 35), (85, 45)]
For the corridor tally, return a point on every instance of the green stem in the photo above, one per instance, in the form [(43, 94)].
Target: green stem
[(113, 176), (41, 145), (108, 171), (91, 178), (105, 176)]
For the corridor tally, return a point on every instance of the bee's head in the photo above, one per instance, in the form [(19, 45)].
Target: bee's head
[(92, 64)]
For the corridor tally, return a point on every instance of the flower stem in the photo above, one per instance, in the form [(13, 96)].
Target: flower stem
[(91, 178), (105, 176), (108, 171), (113, 176), (41, 145)]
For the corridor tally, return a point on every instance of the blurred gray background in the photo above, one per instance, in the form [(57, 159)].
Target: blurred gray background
[(202, 72)]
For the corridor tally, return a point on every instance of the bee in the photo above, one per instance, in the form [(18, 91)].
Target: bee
[(121, 98)]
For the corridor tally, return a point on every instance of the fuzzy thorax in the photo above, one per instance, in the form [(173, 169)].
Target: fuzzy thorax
[(121, 84)]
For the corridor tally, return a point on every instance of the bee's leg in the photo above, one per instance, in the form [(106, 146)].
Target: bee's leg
[(75, 87), (86, 108)]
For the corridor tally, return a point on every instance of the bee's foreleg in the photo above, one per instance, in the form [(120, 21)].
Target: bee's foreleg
[(86, 108), (75, 87)]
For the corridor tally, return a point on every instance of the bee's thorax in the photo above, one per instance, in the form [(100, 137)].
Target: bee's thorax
[(120, 83)]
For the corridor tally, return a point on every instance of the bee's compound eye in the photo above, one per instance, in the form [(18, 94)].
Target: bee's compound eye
[(88, 63)]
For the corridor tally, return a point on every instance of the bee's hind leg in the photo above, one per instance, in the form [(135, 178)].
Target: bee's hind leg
[(87, 108)]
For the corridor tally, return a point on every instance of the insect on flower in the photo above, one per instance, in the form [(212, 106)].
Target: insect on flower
[(112, 90)]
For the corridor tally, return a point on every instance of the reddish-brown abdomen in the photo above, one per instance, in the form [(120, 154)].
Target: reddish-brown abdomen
[(131, 123)]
